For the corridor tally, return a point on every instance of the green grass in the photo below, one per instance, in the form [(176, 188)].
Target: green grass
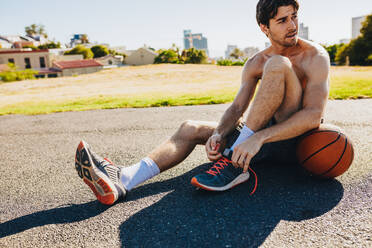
[(109, 102), (350, 88)]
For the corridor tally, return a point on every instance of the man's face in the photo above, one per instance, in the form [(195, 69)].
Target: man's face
[(283, 28)]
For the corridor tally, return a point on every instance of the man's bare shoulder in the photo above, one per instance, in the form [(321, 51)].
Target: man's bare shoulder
[(314, 58), (315, 63), (313, 51)]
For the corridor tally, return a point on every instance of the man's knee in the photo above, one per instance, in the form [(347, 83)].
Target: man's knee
[(277, 63), (189, 130)]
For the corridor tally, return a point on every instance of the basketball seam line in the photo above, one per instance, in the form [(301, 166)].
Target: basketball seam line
[(329, 170), (338, 137), (319, 131)]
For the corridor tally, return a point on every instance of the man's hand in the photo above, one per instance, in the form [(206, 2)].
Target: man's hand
[(244, 152), (212, 146)]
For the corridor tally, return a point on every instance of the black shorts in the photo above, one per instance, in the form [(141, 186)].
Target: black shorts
[(280, 152)]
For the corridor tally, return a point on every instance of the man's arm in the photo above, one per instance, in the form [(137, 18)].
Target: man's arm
[(314, 101), (235, 111), (309, 117)]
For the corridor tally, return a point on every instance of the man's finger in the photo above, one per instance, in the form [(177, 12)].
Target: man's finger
[(242, 160), (215, 157), (246, 163), (213, 144), (235, 158)]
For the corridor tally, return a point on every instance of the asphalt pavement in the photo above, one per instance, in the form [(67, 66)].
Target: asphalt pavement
[(43, 202)]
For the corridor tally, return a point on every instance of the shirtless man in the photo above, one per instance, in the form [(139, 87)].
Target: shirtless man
[(290, 100)]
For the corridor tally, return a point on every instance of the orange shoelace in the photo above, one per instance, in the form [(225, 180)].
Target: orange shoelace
[(224, 162)]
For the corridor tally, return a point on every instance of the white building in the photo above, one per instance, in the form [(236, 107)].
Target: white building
[(356, 25), (141, 56), (303, 31), (229, 50), (250, 51)]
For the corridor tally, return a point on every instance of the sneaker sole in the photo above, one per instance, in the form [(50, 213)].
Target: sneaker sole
[(98, 182), (238, 180)]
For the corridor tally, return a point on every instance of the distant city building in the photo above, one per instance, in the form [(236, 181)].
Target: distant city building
[(78, 39), (345, 41), (303, 31), (356, 25), (196, 41), (229, 50), (250, 51)]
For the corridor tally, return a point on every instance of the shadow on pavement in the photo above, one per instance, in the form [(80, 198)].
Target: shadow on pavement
[(194, 218), (66, 214)]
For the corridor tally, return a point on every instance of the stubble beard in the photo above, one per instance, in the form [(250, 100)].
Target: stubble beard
[(283, 41)]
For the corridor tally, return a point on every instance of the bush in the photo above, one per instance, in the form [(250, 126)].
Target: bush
[(193, 56), (173, 56), (224, 62), (79, 49), (369, 59), (30, 46), (167, 56), (227, 62), (9, 76), (99, 51), (50, 45)]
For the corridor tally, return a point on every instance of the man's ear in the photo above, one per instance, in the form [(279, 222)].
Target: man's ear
[(264, 29)]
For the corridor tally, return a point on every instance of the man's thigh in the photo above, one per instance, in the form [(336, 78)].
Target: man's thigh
[(280, 152)]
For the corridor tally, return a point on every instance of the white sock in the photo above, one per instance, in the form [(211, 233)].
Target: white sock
[(245, 133), (138, 173)]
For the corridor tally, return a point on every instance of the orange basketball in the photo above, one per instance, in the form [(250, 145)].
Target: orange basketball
[(325, 152)]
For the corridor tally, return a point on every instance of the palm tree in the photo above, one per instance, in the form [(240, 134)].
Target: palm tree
[(34, 29)]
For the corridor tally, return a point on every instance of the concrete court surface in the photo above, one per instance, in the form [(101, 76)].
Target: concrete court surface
[(43, 203)]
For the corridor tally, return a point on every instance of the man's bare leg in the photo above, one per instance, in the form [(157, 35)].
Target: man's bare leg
[(279, 94), (182, 143), (168, 154)]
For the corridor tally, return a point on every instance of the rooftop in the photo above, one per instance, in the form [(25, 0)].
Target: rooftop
[(77, 64), (11, 51)]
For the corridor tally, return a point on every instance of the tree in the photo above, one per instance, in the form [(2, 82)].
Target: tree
[(99, 51), (35, 29), (236, 53), (166, 56), (84, 39), (194, 56), (332, 50), (359, 49), (79, 49)]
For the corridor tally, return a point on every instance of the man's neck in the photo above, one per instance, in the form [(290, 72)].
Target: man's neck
[(285, 51)]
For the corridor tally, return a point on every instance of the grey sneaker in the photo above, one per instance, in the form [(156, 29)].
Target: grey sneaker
[(101, 175)]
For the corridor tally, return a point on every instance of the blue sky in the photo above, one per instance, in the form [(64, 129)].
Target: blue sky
[(161, 23)]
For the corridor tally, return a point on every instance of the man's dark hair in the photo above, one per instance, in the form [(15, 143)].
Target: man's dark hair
[(267, 9)]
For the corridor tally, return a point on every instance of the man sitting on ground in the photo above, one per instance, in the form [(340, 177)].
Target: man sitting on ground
[(289, 101)]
